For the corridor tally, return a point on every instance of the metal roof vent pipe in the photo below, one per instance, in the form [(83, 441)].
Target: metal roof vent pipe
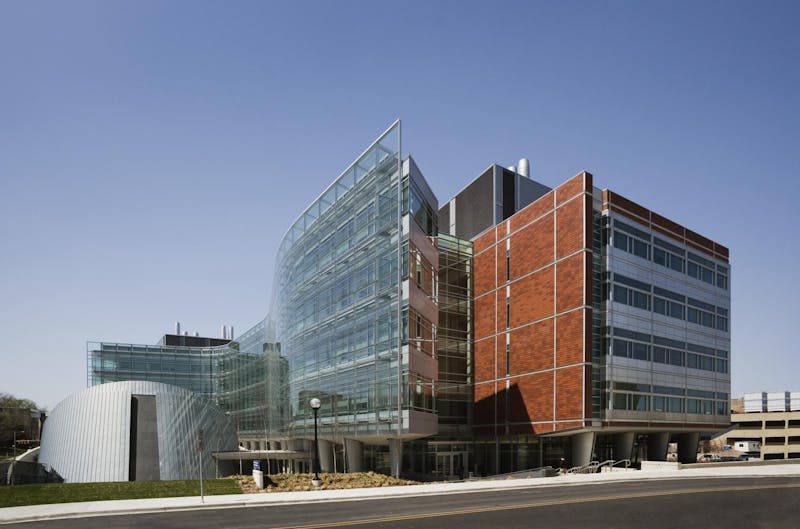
[(524, 167), (230, 333), (178, 328)]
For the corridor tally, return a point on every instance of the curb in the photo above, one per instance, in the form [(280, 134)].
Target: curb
[(186, 503)]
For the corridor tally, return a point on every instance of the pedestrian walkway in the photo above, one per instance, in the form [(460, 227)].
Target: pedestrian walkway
[(116, 507)]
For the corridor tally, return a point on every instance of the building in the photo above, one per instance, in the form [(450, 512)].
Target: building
[(134, 431), (244, 377), (515, 325), (768, 423), (597, 321)]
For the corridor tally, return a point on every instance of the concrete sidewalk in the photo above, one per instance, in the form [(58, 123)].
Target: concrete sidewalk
[(116, 507)]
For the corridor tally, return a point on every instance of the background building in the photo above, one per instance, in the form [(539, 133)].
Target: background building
[(244, 377), (769, 420), (134, 431)]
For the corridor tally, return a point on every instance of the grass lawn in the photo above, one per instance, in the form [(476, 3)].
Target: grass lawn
[(12, 496)]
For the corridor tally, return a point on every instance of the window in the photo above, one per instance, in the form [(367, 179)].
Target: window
[(706, 363), (620, 241), (693, 360), (508, 359), (676, 358), (641, 300), (629, 244), (635, 350), (641, 249), (660, 256), (722, 366), (659, 355), (660, 305), (640, 351), (620, 294), (508, 265), (508, 312)]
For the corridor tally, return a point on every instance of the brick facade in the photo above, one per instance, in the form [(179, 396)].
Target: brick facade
[(547, 385)]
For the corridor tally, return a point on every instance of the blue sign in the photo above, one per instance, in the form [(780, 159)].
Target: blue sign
[(256, 464)]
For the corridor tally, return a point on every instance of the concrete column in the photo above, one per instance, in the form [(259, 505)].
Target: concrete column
[(657, 446), (623, 445), (325, 456), (354, 453), (687, 447), (396, 455), (581, 448)]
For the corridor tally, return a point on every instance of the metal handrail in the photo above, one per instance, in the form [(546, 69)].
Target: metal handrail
[(591, 468), (508, 474), (610, 463)]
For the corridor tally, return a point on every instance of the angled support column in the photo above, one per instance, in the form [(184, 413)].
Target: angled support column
[(354, 454), (623, 445), (325, 456), (687, 447), (657, 446), (396, 455), (582, 444)]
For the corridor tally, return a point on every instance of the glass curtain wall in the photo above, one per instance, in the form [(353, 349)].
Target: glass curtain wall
[(453, 343), (338, 300), (245, 378)]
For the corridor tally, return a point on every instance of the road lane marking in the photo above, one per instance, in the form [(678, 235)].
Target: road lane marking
[(546, 503)]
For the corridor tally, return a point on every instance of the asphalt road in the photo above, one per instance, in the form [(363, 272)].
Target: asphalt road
[(732, 503)]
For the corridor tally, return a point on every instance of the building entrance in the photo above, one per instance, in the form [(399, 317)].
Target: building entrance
[(451, 465)]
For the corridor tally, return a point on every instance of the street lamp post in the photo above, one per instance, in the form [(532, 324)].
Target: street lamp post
[(315, 404), (15, 442)]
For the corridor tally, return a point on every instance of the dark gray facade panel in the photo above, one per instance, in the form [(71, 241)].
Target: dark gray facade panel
[(444, 219), (145, 453), (475, 206), (528, 191)]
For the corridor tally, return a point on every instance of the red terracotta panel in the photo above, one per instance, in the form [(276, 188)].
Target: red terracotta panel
[(629, 205), (484, 316), (672, 228), (485, 403), (569, 282), (535, 209), (571, 187), (568, 425), (536, 394), (569, 393), (570, 338), (483, 272), (532, 247), (532, 347), (484, 360), (481, 242), (570, 227), (532, 297)]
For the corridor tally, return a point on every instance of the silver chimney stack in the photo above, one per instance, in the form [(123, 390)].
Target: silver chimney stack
[(178, 328), (524, 167), (223, 332), (230, 333)]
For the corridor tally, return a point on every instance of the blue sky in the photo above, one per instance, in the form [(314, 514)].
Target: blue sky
[(152, 154)]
